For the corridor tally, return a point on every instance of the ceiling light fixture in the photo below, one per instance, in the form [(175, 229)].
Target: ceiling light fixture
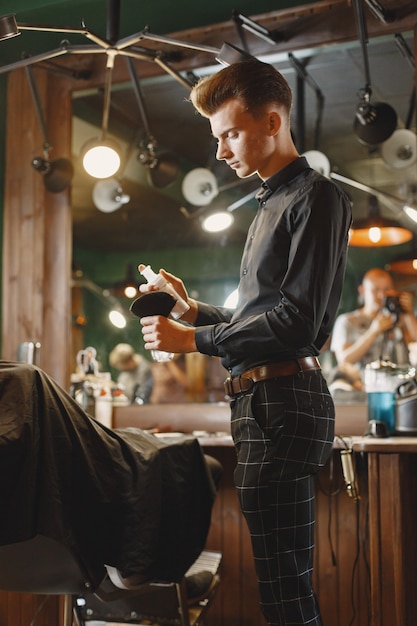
[(217, 221), (318, 161), (162, 169), (376, 230), (404, 266), (101, 157), (374, 123), (57, 174), (117, 318), (199, 186), (400, 150), (8, 27), (108, 195), (127, 46), (128, 287)]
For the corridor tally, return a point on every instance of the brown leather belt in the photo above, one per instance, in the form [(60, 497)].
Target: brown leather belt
[(239, 384)]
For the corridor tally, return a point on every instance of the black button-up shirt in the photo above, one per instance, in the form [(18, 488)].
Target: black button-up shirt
[(291, 276)]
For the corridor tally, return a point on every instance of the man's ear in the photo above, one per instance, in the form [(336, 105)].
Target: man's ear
[(274, 122), (360, 295)]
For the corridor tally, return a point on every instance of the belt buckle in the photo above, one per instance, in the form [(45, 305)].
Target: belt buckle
[(228, 387)]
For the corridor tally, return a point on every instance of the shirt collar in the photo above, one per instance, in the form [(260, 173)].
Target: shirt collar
[(289, 172)]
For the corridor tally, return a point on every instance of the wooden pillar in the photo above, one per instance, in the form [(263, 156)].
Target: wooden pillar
[(37, 246)]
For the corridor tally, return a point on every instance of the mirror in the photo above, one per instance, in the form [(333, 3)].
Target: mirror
[(158, 227)]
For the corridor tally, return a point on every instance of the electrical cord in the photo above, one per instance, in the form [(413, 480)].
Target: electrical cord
[(355, 564), (361, 529), (361, 549), (330, 494), (38, 610)]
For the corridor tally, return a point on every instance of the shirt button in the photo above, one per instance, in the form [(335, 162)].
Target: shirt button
[(245, 271), (252, 237)]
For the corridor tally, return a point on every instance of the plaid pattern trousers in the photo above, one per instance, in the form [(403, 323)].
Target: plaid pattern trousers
[(283, 432)]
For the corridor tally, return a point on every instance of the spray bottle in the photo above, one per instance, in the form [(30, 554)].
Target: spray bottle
[(180, 306)]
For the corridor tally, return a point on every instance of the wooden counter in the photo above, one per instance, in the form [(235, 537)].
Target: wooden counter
[(366, 554), (351, 419), (237, 600), (392, 493), (369, 543)]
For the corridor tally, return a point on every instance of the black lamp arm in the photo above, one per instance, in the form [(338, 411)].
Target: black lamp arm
[(139, 97), (385, 15), (306, 77), (107, 95), (38, 109), (363, 37), (405, 50)]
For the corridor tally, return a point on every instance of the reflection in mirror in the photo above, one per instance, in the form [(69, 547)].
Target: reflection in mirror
[(157, 225)]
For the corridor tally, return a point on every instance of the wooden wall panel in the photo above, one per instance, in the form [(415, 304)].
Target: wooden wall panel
[(20, 609), (236, 603)]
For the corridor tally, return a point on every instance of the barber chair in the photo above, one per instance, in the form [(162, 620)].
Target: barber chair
[(44, 566)]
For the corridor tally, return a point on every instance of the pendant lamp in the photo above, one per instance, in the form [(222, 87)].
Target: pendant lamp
[(406, 267), (377, 231)]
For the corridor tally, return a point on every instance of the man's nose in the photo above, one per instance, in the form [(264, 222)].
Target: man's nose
[(222, 151)]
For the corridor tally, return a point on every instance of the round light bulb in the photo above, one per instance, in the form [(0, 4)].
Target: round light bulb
[(117, 319), (101, 160), (411, 212), (375, 234), (217, 222), (130, 291)]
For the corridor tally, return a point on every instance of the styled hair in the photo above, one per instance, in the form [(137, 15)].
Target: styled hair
[(253, 82), (122, 354)]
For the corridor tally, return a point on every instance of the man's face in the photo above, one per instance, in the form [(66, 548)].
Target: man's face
[(244, 142), (375, 291)]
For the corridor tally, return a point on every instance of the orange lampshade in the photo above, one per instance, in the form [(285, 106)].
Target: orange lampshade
[(405, 266), (376, 230)]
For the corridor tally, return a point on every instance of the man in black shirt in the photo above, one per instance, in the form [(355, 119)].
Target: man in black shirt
[(291, 279)]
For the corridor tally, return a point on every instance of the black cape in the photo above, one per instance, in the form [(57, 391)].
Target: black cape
[(118, 497)]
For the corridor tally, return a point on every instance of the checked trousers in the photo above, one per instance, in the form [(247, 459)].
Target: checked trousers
[(283, 432)]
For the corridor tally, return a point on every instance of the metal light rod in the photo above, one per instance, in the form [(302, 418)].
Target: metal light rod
[(75, 31), (136, 38), (363, 37), (363, 187), (139, 96), (257, 29)]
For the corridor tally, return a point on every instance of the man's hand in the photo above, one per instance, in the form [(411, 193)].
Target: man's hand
[(407, 302), (190, 315), (381, 323), (162, 333)]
